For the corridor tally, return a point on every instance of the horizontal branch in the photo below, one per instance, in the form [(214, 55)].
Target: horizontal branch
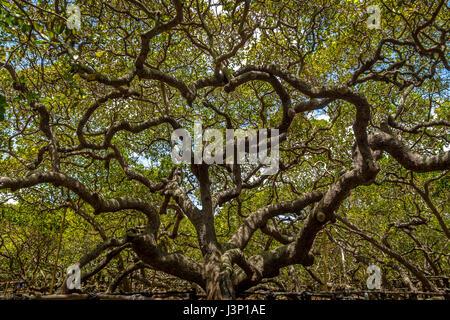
[(100, 205), (260, 217), (408, 159)]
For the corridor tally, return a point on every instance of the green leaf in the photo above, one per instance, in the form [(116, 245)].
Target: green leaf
[(39, 42), (26, 28), (3, 105), (32, 96), (9, 20), (59, 28)]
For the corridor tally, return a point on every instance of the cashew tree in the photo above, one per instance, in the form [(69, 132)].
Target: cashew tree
[(356, 92)]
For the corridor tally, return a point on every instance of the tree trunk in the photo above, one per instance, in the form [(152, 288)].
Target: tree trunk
[(218, 280)]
